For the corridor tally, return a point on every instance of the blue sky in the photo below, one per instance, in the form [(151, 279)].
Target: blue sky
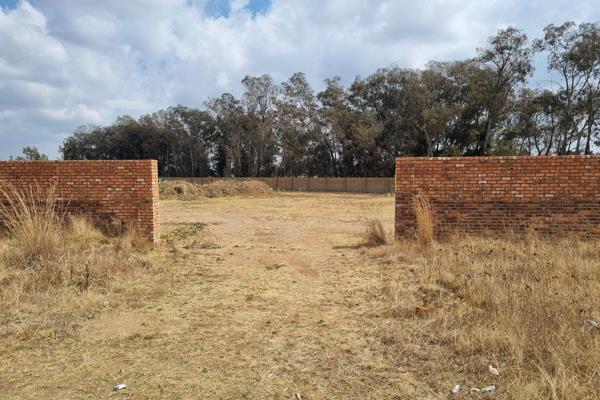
[(222, 8), (218, 8), (64, 63), (8, 3)]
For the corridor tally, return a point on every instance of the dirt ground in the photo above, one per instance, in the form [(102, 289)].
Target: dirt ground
[(271, 299)]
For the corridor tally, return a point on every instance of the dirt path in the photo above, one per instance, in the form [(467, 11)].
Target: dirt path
[(283, 304)]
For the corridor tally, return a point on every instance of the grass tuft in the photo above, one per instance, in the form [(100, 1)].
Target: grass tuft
[(34, 220), (424, 221), (374, 232)]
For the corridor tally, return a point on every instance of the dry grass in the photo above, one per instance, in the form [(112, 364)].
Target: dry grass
[(33, 219), (283, 305), (55, 270), (181, 190), (518, 305), (287, 304), (375, 234), (424, 221)]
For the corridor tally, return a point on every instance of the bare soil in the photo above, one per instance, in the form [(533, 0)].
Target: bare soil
[(272, 298)]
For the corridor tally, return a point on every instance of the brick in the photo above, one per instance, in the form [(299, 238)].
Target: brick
[(126, 190), (553, 195)]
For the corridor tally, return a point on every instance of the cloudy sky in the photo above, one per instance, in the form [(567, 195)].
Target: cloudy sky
[(64, 63)]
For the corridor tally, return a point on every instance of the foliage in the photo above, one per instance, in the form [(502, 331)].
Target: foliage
[(478, 106), (30, 153)]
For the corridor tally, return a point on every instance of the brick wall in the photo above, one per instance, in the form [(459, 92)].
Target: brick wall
[(111, 192), (552, 195)]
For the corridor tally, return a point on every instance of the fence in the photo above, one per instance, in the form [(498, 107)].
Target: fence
[(305, 184)]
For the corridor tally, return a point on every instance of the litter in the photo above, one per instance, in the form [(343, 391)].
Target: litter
[(118, 387), (591, 324), (490, 388), (493, 370), (486, 389), (455, 389)]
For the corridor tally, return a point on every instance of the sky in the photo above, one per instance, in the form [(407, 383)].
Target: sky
[(65, 63)]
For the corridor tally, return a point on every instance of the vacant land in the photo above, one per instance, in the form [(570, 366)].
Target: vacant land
[(268, 297), (276, 298)]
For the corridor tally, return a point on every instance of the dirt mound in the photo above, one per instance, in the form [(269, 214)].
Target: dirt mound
[(237, 188), (182, 190)]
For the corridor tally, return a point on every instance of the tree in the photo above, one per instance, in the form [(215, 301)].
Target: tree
[(30, 153), (259, 99), (228, 147), (302, 150), (534, 128), (477, 106), (178, 137), (334, 115), (573, 53), (506, 63)]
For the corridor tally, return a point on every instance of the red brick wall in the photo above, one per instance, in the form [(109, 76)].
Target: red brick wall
[(553, 195), (122, 190)]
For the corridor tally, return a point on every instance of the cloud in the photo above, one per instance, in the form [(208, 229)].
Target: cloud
[(64, 63)]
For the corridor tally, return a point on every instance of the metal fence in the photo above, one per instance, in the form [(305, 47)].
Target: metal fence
[(305, 184)]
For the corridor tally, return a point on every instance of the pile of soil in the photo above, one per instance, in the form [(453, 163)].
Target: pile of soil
[(182, 190)]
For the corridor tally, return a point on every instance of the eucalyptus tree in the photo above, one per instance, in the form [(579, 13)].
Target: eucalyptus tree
[(259, 100), (573, 54), (230, 154), (302, 147), (506, 63), (30, 153)]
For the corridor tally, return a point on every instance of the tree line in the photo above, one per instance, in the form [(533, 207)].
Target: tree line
[(484, 105)]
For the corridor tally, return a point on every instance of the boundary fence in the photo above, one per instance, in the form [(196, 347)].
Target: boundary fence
[(306, 184)]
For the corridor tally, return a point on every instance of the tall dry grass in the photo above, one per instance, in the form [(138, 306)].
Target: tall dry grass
[(54, 269), (33, 219), (424, 221), (519, 304), (375, 234)]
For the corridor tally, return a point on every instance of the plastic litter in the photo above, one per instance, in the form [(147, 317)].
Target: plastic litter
[(486, 389), (591, 324), (490, 388), (493, 370), (118, 387), (456, 389)]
